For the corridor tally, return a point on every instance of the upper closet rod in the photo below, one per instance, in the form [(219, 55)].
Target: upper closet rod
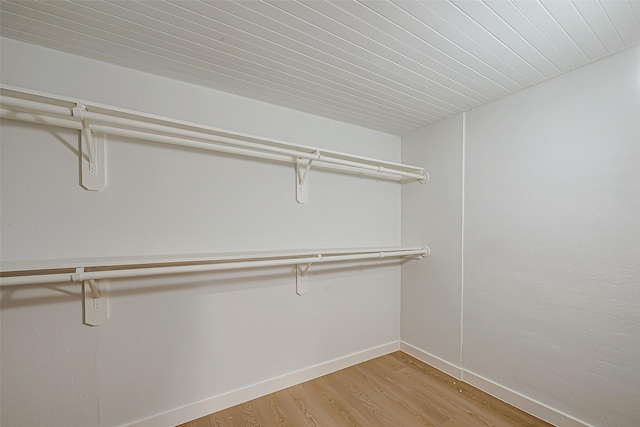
[(48, 109)]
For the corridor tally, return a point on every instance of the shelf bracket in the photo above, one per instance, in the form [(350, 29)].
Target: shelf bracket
[(95, 302), (301, 287), (92, 158), (302, 178)]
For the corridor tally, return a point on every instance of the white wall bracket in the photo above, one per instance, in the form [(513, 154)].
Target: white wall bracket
[(302, 178), (92, 154), (301, 287), (95, 302)]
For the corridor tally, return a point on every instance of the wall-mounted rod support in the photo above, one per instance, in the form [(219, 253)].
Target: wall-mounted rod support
[(94, 303), (92, 159), (301, 285), (95, 292), (302, 181), (307, 167), (87, 135)]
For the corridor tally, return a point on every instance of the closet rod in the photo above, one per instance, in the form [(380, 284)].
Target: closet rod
[(23, 105), (242, 262)]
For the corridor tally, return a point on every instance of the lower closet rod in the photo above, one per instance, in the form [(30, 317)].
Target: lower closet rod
[(163, 270)]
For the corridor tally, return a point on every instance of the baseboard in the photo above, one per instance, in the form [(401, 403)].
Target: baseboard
[(223, 401), (523, 402), (232, 398), (430, 359), (505, 394)]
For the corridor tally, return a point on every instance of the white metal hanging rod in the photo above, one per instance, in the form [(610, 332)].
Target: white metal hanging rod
[(116, 271), (23, 105), (95, 307)]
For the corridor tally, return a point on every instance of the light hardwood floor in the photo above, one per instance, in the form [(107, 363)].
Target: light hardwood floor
[(395, 390)]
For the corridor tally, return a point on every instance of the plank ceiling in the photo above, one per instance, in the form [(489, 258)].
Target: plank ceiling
[(393, 66)]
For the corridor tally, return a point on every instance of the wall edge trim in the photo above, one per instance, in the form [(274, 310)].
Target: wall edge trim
[(253, 391), (512, 397)]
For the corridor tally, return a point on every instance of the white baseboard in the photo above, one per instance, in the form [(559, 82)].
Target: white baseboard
[(232, 398), (523, 402), (223, 401), (430, 359), (505, 394)]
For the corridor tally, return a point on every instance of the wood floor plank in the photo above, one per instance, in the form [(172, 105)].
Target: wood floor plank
[(442, 394), (359, 401), (452, 395), (494, 410), (273, 411), (445, 395), (266, 414), (329, 404), (395, 390), (395, 401), (411, 396), (289, 410)]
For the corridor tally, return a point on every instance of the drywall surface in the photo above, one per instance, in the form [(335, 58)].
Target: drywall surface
[(552, 242), (171, 342), (432, 215)]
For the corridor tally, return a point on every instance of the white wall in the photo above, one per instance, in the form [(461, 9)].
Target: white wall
[(176, 341), (551, 288), (552, 242), (432, 214)]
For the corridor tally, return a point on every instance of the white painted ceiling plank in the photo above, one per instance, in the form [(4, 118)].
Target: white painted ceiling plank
[(401, 40), (482, 14), (596, 17), (568, 17), (422, 38), (365, 48), (251, 73), (635, 7), (433, 80), (414, 54), (543, 20), (624, 20), (238, 64), (528, 31), (393, 66), (44, 38), (313, 70), (443, 35), (474, 30), (178, 68), (331, 65), (327, 42), (66, 44), (223, 82)]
